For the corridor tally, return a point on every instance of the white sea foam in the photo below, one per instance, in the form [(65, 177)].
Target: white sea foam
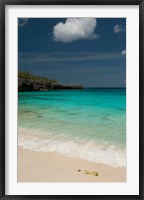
[(100, 152)]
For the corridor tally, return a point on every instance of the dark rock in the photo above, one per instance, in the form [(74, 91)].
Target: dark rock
[(36, 85)]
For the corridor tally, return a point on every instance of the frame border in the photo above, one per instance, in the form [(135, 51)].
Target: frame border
[(3, 3)]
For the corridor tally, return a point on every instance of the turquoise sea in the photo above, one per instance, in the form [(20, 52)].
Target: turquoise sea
[(89, 123)]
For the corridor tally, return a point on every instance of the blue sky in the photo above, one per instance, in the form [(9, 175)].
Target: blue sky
[(86, 51)]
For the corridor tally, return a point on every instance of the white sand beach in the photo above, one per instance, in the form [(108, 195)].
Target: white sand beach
[(53, 167)]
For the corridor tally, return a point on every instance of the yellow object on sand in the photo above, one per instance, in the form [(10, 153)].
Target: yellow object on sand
[(92, 173)]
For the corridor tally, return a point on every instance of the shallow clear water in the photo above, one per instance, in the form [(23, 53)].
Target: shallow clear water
[(87, 123)]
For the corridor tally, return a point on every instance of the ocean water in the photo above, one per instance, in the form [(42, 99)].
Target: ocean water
[(89, 124)]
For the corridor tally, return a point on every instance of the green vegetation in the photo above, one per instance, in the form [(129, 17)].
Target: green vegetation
[(27, 75)]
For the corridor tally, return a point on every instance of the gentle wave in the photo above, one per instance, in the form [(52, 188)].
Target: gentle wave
[(99, 152)]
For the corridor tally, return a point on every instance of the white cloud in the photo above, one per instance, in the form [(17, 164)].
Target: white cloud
[(118, 28), (123, 52), (22, 21), (74, 29)]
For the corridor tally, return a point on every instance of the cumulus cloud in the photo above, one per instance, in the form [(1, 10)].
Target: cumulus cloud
[(22, 21), (118, 28), (123, 52), (74, 29)]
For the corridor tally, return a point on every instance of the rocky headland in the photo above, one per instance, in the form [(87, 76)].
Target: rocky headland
[(28, 82)]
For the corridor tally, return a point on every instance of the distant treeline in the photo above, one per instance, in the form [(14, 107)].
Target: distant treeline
[(27, 75)]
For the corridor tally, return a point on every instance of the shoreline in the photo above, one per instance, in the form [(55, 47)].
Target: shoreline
[(34, 166)]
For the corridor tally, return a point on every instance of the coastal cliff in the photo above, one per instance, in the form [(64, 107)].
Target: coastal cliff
[(28, 82)]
